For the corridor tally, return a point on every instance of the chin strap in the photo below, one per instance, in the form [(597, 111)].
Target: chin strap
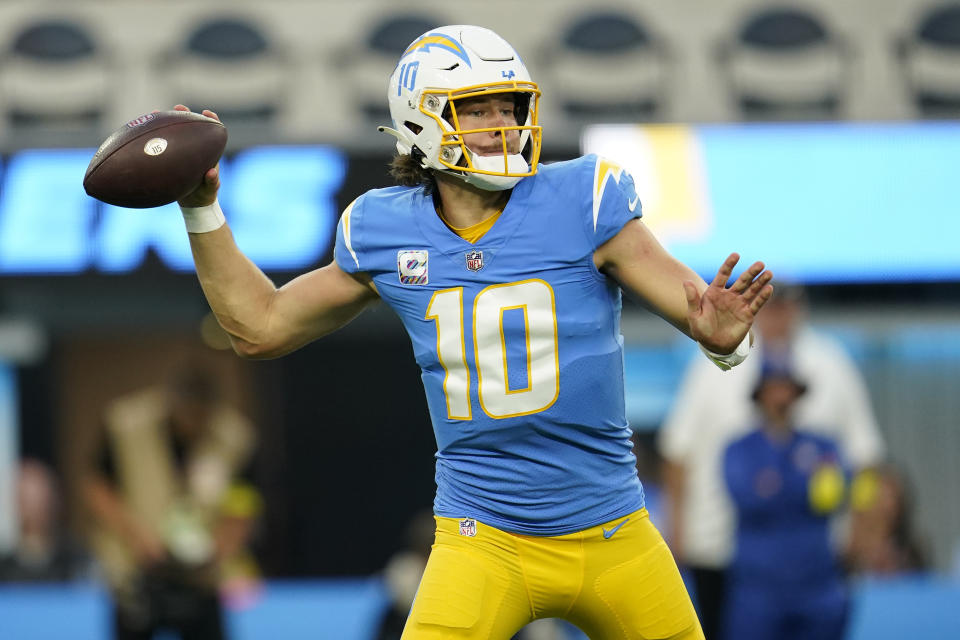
[(403, 145), (396, 134)]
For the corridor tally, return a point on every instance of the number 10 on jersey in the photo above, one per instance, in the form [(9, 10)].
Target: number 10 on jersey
[(536, 300)]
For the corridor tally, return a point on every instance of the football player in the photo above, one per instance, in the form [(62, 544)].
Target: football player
[(507, 276)]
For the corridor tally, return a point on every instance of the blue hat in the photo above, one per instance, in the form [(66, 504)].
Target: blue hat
[(777, 368)]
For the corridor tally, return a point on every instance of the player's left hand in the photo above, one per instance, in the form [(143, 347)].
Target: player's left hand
[(721, 317)]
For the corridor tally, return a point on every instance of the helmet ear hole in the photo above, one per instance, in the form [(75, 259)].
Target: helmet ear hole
[(413, 126), (418, 155)]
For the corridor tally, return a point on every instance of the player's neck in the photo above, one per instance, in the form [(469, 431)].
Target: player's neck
[(463, 205)]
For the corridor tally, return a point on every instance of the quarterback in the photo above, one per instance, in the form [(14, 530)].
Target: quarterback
[(507, 276)]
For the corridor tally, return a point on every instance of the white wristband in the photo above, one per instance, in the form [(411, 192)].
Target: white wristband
[(203, 219), (727, 361)]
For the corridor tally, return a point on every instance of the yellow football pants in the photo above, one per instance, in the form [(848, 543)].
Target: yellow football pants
[(617, 581)]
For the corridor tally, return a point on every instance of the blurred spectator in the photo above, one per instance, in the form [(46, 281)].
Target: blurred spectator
[(784, 582), (650, 472), (714, 407), (403, 572), (882, 511), (169, 516), (44, 551)]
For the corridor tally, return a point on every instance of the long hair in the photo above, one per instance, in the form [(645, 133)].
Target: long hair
[(406, 171)]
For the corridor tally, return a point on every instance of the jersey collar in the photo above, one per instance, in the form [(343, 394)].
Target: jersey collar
[(450, 244)]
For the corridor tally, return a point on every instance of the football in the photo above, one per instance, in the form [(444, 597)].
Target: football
[(155, 159)]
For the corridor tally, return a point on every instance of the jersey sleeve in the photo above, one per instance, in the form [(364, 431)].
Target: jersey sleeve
[(347, 252), (614, 200)]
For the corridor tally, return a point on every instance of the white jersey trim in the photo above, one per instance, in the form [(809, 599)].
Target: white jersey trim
[(346, 232)]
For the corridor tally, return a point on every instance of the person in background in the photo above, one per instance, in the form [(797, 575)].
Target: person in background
[(168, 513), (403, 572), (882, 513), (44, 551), (713, 407), (785, 581)]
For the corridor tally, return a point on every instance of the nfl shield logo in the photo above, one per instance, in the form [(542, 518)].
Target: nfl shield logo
[(468, 527), (474, 260)]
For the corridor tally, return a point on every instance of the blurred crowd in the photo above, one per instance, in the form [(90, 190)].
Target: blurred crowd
[(167, 511)]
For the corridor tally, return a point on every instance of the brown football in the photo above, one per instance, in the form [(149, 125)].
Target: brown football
[(155, 159)]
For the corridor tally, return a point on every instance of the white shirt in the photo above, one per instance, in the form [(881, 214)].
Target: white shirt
[(714, 407)]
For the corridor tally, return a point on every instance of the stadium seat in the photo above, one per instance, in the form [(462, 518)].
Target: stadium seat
[(931, 62), (608, 67), (785, 64), (229, 63), (54, 77)]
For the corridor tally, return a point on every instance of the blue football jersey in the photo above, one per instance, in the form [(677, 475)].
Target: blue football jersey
[(518, 339)]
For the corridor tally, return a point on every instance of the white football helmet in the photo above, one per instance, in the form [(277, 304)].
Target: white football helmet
[(452, 63)]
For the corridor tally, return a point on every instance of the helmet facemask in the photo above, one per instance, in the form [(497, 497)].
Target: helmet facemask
[(519, 143)]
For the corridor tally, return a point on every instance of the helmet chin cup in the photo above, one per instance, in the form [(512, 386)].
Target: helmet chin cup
[(515, 164)]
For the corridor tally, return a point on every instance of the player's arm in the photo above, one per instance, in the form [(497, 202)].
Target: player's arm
[(714, 315), (262, 320)]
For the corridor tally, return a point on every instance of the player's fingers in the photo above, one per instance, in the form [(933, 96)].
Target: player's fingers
[(747, 277), (693, 297), (180, 107), (720, 280), (754, 289), (212, 175), (757, 303), (211, 114)]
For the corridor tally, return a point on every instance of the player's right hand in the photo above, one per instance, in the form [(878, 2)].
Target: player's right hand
[(206, 193)]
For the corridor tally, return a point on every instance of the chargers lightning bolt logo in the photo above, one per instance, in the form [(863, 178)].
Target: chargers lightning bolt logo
[(425, 43), (605, 171)]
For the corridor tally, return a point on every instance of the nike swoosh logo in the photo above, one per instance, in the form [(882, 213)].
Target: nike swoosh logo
[(633, 203), (609, 534)]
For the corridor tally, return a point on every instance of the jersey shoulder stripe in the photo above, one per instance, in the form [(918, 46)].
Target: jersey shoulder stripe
[(603, 190), (606, 171)]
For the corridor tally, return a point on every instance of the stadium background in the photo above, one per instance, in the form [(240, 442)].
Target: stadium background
[(95, 301)]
